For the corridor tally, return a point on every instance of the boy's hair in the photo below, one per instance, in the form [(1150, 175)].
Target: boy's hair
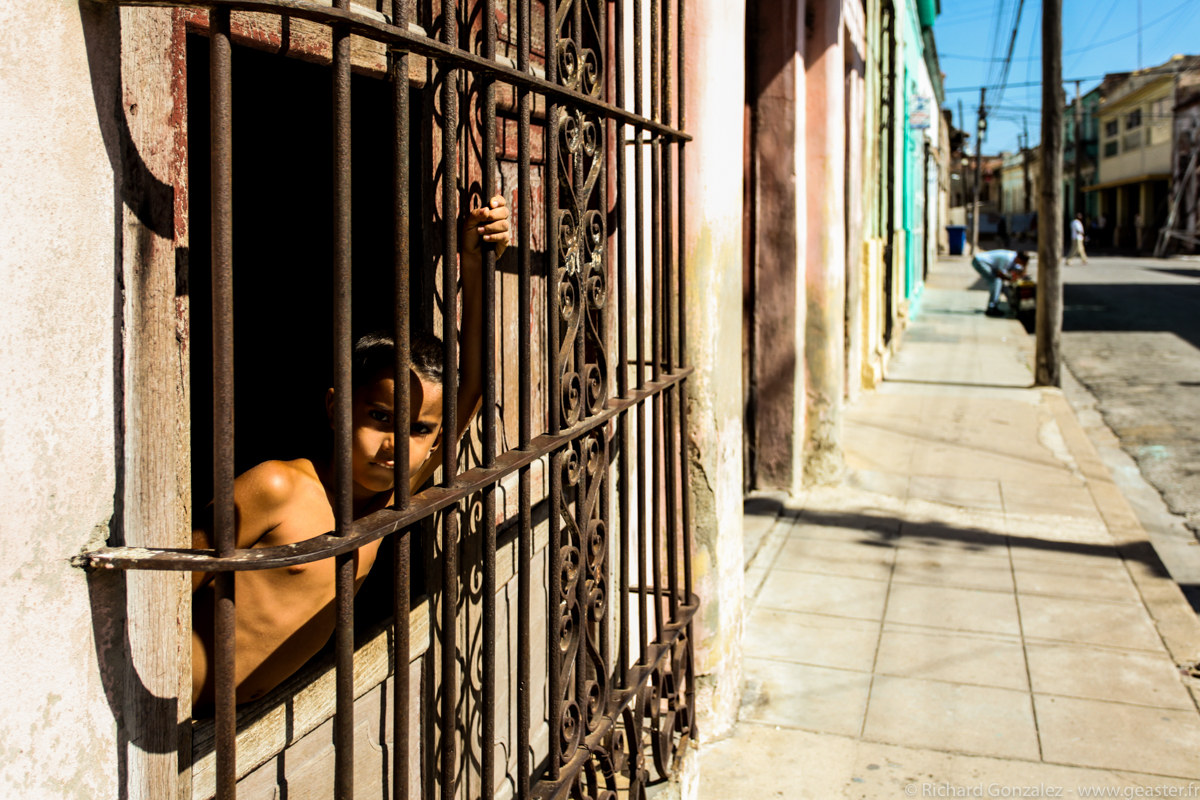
[(377, 350), (1021, 256)]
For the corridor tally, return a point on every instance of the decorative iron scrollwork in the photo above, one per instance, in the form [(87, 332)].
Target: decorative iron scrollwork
[(608, 737)]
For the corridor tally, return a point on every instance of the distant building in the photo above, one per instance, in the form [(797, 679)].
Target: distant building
[(1020, 179), (1135, 141), (1185, 178)]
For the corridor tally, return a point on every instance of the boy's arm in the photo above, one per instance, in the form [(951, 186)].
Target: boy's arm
[(485, 224), (259, 495)]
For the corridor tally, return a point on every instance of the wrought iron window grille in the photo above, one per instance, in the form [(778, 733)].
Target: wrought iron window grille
[(620, 665)]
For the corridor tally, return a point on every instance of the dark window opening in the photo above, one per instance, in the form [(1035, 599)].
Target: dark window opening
[(282, 238)]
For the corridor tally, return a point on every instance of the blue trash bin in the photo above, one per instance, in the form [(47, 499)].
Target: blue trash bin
[(958, 238)]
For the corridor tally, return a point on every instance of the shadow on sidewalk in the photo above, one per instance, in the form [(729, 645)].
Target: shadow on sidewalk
[(881, 530)]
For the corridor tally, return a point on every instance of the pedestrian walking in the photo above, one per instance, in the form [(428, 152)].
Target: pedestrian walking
[(997, 266), (1077, 239)]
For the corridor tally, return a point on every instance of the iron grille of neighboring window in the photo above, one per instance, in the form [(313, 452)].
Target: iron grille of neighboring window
[(620, 691)]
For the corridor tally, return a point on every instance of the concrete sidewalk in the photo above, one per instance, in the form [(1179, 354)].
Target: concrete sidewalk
[(976, 609)]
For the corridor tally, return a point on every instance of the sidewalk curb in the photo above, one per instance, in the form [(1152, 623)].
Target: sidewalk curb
[(1173, 616)]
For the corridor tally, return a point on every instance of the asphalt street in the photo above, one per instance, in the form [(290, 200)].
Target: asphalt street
[(1131, 335)]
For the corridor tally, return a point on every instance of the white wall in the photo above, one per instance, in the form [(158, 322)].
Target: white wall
[(58, 252)]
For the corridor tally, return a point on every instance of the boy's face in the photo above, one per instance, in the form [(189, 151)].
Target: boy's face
[(373, 451)]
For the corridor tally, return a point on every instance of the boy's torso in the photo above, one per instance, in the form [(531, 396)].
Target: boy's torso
[(285, 616)]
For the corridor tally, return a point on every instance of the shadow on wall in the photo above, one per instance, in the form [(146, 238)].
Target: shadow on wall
[(134, 187)]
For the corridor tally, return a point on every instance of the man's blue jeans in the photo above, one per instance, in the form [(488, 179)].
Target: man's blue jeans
[(992, 278)]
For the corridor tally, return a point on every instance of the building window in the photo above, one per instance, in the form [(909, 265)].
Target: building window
[(1111, 128), (581, 350), (1131, 141), (1133, 119), (1110, 148)]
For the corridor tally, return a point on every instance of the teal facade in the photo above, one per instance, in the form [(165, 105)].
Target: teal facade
[(915, 183)]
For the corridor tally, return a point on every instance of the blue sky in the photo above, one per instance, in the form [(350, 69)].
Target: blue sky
[(1099, 36)]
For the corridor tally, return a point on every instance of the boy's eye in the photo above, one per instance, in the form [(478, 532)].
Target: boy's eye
[(421, 430), (378, 416)]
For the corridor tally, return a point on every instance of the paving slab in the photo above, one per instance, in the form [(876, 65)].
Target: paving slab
[(953, 717), (964, 570), (1087, 621), (1092, 673), (823, 594), (953, 609), (952, 656), (806, 697), (813, 639), (1093, 733)]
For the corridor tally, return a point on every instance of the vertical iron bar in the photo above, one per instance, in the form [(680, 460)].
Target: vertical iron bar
[(656, 321), (623, 488), (682, 300), (671, 449), (553, 403), (449, 641), (488, 695), (402, 411), (524, 295), (639, 262), (343, 471), (605, 331), (684, 459), (224, 512), (581, 307)]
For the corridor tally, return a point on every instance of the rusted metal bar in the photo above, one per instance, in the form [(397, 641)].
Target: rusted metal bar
[(525, 366), (668, 401), (639, 262), (449, 600), (343, 419), (369, 528), (224, 511), (402, 412), (555, 606), (487, 771), (684, 437), (656, 321), (448, 55), (605, 471), (623, 486)]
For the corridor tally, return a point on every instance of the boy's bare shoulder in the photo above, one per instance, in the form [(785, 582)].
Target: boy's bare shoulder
[(274, 484)]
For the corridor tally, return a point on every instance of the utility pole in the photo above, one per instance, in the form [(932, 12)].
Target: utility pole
[(1079, 145), (1050, 221), (980, 126), (1025, 166)]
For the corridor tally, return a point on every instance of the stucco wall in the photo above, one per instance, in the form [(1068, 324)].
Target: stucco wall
[(716, 88), (58, 737)]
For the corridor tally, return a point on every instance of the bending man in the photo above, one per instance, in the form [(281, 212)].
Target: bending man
[(996, 266)]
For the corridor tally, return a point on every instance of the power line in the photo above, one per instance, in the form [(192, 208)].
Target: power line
[(1076, 51), (1099, 28), (1018, 85)]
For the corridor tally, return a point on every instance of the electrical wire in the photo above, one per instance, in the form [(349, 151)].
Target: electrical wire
[(1096, 32), (1012, 43)]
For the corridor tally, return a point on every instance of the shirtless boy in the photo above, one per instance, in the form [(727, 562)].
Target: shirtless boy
[(285, 616)]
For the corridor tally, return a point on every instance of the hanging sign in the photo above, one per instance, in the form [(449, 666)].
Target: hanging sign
[(918, 116)]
